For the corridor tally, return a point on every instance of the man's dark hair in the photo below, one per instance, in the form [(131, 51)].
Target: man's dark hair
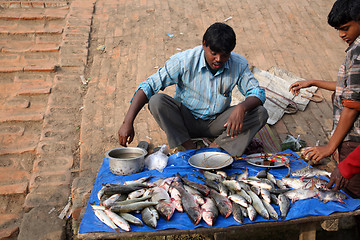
[(344, 11), (220, 37)]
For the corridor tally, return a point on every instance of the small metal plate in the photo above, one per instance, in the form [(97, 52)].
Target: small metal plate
[(259, 162), (210, 160)]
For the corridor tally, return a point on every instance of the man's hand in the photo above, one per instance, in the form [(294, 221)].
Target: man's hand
[(235, 121), (126, 134), (337, 179), (296, 86), (315, 154)]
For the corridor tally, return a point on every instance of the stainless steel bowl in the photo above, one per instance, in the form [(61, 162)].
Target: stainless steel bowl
[(126, 160)]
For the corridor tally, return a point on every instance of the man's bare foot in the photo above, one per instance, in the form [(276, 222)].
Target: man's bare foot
[(214, 145), (189, 144)]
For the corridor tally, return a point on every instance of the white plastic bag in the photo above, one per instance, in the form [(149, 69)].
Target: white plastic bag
[(157, 160)]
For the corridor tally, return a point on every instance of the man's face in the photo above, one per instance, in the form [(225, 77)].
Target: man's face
[(215, 59), (349, 31)]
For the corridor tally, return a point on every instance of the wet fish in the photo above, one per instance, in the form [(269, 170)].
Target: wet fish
[(270, 209), (294, 183), (148, 217), (301, 194), (222, 173), (271, 177), (212, 176), (279, 190), (237, 212), (252, 213), (327, 195), (111, 200), (223, 203), (258, 205), (134, 200), (198, 197), (310, 172), (118, 220), (284, 204), (243, 211), (165, 206), (131, 219), (211, 184), (137, 193), (101, 215), (191, 207), (232, 184), (176, 198), (262, 173), (274, 199), (101, 192), (209, 211), (132, 206), (280, 184), (245, 195), (256, 190), (166, 183), (258, 183), (265, 194), (314, 181), (223, 189), (155, 212), (239, 200), (243, 175), (204, 190), (140, 180), (111, 188)]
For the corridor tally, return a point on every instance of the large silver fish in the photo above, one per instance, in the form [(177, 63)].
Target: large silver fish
[(209, 211), (101, 215), (118, 220), (131, 219), (204, 190), (237, 213), (165, 205), (309, 171), (148, 217), (223, 203), (258, 205), (272, 213), (132, 206), (301, 194), (294, 183), (284, 204)]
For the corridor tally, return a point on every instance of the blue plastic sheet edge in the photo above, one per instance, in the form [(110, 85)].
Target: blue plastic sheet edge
[(178, 163)]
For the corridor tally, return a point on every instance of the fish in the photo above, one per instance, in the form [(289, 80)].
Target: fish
[(258, 205), (111, 200), (279, 190), (300, 194), (223, 189), (280, 184), (148, 217), (211, 184), (132, 219), (265, 194), (191, 207), (284, 204), (314, 181), (212, 176), (166, 183), (327, 195), (198, 197), (256, 190), (232, 184), (237, 212), (204, 190), (243, 211), (245, 195), (252, 213), (222, 173), (118, 220), (271, 177), (132, 206), (239, 200), (308, 171), (101, 192), (223, 203), (243, 175), (165, 206), (270, 209), (258, 183), (262, 173), (101, 215), (134, 200), (294, 183), (140, 180), (137, 193), (274, 199), (176, 198), (209, 211), (111, 188)]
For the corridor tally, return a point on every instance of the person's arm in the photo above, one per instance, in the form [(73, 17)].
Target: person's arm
[(126, 131), (346, 121), (234, 123), (328, 85)]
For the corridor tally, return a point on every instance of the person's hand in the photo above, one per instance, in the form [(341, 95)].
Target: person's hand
[(296, 86), (126, 134), (235, 121), (337, 179), (315, 154)]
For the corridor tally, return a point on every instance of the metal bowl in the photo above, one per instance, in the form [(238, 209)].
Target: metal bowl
[(126, 160)]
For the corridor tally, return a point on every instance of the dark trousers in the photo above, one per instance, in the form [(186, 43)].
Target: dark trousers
[(353, 188), (180, 125)]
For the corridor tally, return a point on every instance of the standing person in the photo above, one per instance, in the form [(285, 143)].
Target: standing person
[(344, 17), (204, 77)]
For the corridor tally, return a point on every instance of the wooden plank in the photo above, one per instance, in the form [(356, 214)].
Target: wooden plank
[(307, 231)]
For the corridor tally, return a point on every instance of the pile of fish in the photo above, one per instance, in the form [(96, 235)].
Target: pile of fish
[(239, 195)]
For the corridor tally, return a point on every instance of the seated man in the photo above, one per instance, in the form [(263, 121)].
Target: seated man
[(204, 77)]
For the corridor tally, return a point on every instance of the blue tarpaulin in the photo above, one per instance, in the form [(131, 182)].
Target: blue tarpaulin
[(178, 163)]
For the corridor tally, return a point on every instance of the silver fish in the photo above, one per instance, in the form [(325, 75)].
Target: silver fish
[(131, 219), (165, 206), (204, 190), (198, 197), (301, 194), (209, 211), (243, 175), (223, 189), (111, 200), (258, 183), (327, 195), (237, 212), (136, 194), (262, 173), (271, 177), (132, 206), (222, 173), (118, 220), (245, 195), (239, 200), (101, 192), (295, 183), (223, 203), (100, 214), (176, 198), (140, 180), (280, 184), (212, 176), (270, 209), (232, 184), (310, 172), (148, 217), (258, 205), (284, 204), (134, 200), (265, 194), (252, 213)]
